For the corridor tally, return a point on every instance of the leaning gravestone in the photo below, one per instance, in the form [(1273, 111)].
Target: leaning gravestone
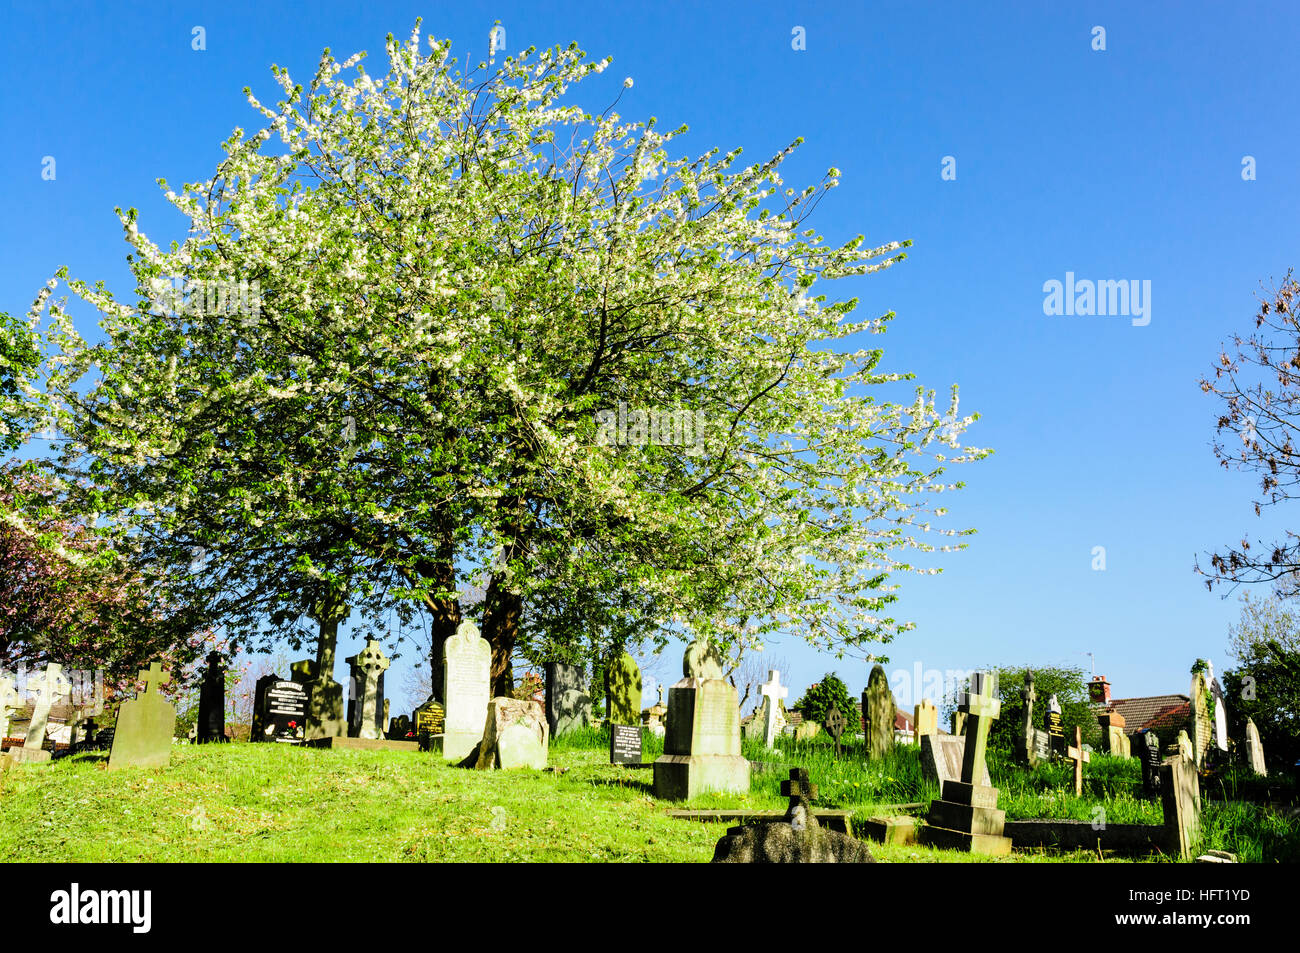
[(941, 759), (515, 735), (568, 706), (367, 668), (925, 720), (879, 710), (467, 678), (52, 686), (1180, 794), (623, 690), (1028, 750), (145, 726), (1220, 710), (212, 702), (702, 743), (1254, 748)]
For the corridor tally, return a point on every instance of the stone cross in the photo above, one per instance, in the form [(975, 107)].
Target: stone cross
[(52, 686), (835, 722), (1029, 695), (980, 708), (774, 691), (9, 703), (153, 677), (1080, 757), (371, 663), (84, 726)]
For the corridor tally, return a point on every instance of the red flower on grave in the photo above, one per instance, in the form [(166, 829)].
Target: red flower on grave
[(293, 724)]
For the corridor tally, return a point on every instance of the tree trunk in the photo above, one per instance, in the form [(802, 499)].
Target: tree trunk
[(501, 612)]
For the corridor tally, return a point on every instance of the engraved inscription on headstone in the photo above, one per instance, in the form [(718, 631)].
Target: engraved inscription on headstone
[(625, 744)]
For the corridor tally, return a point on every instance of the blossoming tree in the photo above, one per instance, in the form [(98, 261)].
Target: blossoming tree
[(455, 281)]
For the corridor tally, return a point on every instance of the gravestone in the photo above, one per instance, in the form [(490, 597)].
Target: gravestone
[(941, 759), (879, 712), (925, 719), (966, 817), (653, 718), (1079, 755), (52, 686), (399, 728), (835, 723), (366, 719), (145, 726), (1220, 711), (702, 743), (212, 702), (1028, 751), (263, 684), (467, 689), (1114, 740), (1151, 761), (1055, 726), (568, 705), (428, 720), (9, 703), (773, 691), (623, 690), (624, 744), (281, 716), (325, 714), (806, 730), (85, 722), (1180, 795), (1185, 749), (1254, 748), (1201, 725), (515, 735)]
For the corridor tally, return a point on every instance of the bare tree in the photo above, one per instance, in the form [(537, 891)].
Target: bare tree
[(1260, 387), (749, 670)]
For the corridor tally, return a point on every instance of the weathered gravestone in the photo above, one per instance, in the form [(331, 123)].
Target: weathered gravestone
[(515, 735), (925, 720), (773, 691), (52, 686), (1151, 761), (967, 815), (1185, 749), (1028, 751), (467, 689), (835, 724), (879, 712), (623, 690), (941, 759), (1114, 740), (9, 703), (212, 702), (1220, 711), (325, 714), (1254, 748), (145, 726), (624, 744), (568, 706), (702, 743), (1079, 755), (366, 707), (280, 712), (1180, 794), (1201, 724)]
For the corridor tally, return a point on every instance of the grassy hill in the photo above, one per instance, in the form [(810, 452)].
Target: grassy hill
[(243, 802)]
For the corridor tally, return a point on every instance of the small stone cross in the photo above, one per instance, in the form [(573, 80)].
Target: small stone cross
[(1080, 757), (153, 677), (9, 702)]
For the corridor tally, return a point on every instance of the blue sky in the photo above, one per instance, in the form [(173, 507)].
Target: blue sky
[(1117, 164)]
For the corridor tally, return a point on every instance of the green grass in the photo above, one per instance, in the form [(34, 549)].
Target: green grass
[(242, 802)]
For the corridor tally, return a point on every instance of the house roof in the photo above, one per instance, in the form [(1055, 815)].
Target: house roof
[(1151, 712)]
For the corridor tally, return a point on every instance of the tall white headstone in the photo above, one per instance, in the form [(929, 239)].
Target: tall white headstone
[(467, 680), (774, 692)]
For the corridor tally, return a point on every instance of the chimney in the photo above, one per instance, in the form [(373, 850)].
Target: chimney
[(1099, 690)]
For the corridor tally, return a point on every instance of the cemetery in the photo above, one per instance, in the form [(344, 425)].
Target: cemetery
[(317, 543)]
